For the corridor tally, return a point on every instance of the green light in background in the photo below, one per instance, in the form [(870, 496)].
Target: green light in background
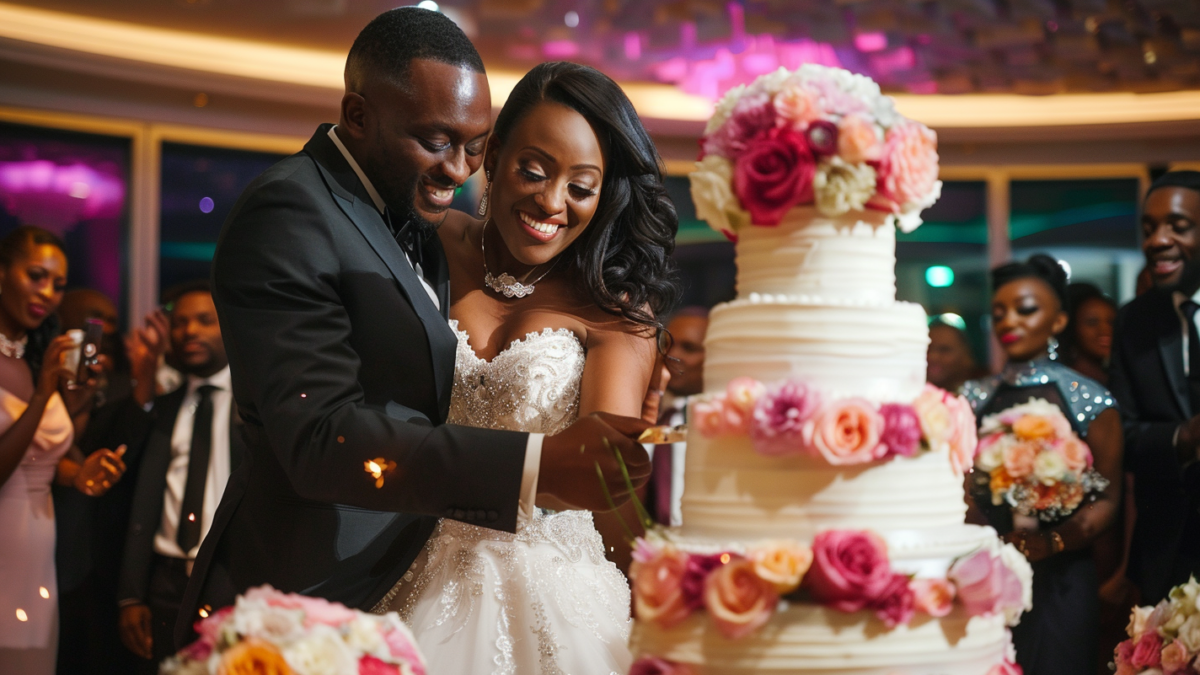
[(950, 319), (939, 276)]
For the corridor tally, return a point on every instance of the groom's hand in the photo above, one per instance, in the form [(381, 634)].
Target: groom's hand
[(569, 460)]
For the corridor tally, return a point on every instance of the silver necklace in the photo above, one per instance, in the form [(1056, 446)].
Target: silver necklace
[(506, 284), (13, 348)]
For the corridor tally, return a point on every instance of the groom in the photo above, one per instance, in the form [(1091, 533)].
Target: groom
[(332, 290)]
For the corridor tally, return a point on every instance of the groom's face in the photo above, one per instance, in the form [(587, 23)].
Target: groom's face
[(423, 137)]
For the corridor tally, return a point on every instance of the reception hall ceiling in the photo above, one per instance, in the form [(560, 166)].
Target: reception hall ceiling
[(705, 46)]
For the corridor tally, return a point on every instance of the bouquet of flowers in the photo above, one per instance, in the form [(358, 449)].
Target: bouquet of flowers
[(272, 633), (1165, 639), (815, 136), (1034, 462)]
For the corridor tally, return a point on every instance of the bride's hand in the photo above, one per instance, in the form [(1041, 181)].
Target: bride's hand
[(652, 405), (569, 460)]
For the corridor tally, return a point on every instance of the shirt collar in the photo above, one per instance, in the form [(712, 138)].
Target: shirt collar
[(220, 379), (375, 198)]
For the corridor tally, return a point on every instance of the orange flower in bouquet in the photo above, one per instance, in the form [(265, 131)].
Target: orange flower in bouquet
[(253, 657), (1033, 427)]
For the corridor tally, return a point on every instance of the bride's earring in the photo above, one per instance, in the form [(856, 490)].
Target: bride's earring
[(483, 203), (1052, 348)]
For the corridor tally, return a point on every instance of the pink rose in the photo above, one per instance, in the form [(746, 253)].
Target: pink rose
[(316, 610), (369, 665), (934, 597), (733, 419), (1005, 668), (652, 665), (908, 167), (1123, 658), (1175, 658), (901, 429), (709, 417), (978, 581), (774, 174), (738, 602), (896, 603), (1147, 653), (783, 418), (695, 575), (753, 115), (849, 571), (1018, 459), (847, 431), (1076, 453), (795, 107), (209, 628), (963, 438), (658, 588), (743, 392), (402, 647), (857, 140)]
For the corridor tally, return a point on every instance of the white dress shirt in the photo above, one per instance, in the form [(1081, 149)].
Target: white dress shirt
[(533, 447), (218, 463), (1179, 299), (678, 454)]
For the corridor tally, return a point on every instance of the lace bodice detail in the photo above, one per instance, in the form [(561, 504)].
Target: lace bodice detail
[(532, 385)]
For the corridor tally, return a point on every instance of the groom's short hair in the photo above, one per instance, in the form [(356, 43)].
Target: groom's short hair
[(393, 39)]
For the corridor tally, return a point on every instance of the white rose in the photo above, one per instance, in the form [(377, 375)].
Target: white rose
[(364, 635), (772, 83), (993, 457), (1189, 633), (1184, 596), (839, 187), (1137, 622), (322, 652), (1049, 467), (724, 109), (275, 624), (712, 193), (1019, 564)]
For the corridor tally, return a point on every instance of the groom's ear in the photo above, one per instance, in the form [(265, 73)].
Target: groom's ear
[(353, 115)]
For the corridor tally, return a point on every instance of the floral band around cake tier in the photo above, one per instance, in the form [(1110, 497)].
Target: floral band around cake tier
[(791, 417), (844, 570), (817, 135)]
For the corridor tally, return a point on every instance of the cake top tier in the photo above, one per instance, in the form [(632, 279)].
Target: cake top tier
[(816, 136)]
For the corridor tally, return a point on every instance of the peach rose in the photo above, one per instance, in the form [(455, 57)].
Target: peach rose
[(934, 597), (781, 563), (734, 420), (796, 107), (1176, 658), (1033, 427), (743, 392), (738, 601), (963, 439), (658, 590), (847, 431), (999, 483), (709, 417), (908, 170), (934, 417), (1076, 454), (253, 657), (1018, 460), (857, 140)]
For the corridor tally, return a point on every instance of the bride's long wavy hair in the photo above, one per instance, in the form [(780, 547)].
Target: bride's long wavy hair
[(624, 256)]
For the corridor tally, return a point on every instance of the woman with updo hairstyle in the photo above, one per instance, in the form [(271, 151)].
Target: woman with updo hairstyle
[(42, 409), (557, 294), (1087, 340), (1029, 310)]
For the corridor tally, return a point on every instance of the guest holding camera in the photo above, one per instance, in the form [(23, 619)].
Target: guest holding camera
[(42, 409)]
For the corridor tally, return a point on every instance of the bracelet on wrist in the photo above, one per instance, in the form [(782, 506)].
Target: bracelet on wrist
[(1056, 542)]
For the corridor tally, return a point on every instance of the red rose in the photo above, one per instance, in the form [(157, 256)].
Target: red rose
[(774, 174), (1147, 653), (849, 571), (895, 605)]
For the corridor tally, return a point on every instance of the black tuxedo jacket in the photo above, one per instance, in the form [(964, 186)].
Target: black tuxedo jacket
[(146, 513), (339, 357), (1148, 381)]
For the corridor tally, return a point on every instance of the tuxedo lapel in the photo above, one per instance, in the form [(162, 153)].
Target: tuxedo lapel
[(350, 196), (1170, 349)]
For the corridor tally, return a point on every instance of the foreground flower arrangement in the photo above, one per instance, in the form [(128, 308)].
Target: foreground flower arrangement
[(792, 418), (815, 136), (1035, 462), (847, 571), (272, 633), (1164, 639)]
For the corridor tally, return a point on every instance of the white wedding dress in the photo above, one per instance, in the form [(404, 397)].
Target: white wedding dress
[(541, 601)]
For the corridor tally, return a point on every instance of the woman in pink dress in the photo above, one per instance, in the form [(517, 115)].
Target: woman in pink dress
[(40, 412)]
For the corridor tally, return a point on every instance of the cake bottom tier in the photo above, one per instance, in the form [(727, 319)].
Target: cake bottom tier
[(806, 638)]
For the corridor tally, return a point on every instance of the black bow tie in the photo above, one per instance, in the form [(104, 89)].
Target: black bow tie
[(410, 236)]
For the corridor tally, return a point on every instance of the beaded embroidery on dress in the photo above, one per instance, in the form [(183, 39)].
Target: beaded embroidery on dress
[(543, 600)]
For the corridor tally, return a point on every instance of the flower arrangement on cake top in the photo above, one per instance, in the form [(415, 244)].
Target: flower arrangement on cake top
[(1163, 639), (1034, 462), (792, 418), (814, 136), (267, 632)]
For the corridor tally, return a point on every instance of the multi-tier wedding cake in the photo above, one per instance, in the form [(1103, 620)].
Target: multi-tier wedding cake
[(823, 512)]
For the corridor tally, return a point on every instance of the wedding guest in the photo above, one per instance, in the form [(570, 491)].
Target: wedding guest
[(1029, 308), (1155, 375), (1087, 340), (685, 360), (194, 442), (948, 360), (41, 411)]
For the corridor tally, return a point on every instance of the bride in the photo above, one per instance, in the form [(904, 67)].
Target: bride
[(555, 295)]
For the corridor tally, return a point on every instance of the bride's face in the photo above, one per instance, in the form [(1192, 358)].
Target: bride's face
[(546, 179)]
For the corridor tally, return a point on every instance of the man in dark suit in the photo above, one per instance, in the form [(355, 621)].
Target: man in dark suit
[(333, 294), (192, 442), (1155, 377)]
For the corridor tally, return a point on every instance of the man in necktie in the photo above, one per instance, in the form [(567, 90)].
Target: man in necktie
[(190, 449), (1156, 380), (686, 363)]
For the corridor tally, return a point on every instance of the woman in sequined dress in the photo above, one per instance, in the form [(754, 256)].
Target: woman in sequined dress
[(1059, 636), (555, 297)]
